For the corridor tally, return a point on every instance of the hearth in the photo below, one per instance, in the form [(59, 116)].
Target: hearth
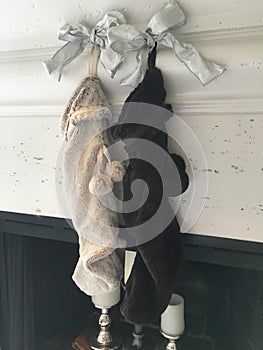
[(221, 281)]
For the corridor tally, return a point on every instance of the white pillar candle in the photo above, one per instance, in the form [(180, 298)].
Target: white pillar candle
[(172, 320), (107, 300)]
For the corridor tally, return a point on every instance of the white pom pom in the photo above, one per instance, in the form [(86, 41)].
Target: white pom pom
[(100, 185), (115, 171)]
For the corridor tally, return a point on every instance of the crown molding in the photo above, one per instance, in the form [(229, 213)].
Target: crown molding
[(222, 26), (35, 54), (31, 110), (219, 106), (203, 106), (204, 28)]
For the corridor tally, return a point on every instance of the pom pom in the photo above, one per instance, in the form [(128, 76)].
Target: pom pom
[(100, 185), (115, 171)]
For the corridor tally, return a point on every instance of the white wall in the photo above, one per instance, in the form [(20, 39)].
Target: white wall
[(226, 116)]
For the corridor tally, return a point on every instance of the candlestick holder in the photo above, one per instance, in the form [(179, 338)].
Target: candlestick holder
[(137, 341), (172, 321), (107, 339)]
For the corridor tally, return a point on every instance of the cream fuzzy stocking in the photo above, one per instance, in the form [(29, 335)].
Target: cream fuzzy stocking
[(99, 268)]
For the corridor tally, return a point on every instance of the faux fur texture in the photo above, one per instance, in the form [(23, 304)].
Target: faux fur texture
[(153, 276), (115, 170), (99, 268), (100, 185)]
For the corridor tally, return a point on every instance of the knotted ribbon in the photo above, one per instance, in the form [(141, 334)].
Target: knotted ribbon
[(79, 37), (126, 38)]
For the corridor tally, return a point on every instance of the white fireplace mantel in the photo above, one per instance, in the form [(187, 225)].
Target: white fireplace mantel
[(226, 116)]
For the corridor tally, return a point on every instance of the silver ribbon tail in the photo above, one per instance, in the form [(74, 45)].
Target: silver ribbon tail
[(63, 57), (205, 70)]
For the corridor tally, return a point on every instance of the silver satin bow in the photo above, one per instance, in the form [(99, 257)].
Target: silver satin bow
[(126, 38), (79, 37)]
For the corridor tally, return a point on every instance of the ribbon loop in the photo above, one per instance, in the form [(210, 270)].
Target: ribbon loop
[(96, 39), (126, 38), (149, 41), (171, 16), (70, 33)]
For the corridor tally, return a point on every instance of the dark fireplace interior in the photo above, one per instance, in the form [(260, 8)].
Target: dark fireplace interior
[(221, 281)]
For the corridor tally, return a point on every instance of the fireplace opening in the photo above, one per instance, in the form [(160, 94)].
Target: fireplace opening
[(42, 309)]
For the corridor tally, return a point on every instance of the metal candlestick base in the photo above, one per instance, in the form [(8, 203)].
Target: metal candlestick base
[(105, 341), (171, 344), (136, 341)]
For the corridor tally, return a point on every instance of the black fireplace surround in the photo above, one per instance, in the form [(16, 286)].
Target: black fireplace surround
[(41, 308)]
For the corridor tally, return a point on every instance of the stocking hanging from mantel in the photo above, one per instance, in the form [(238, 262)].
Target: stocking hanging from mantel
[(153, 276), (88, 181)]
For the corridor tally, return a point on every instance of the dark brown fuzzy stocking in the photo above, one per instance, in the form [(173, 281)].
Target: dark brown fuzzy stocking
[(153, 276)]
